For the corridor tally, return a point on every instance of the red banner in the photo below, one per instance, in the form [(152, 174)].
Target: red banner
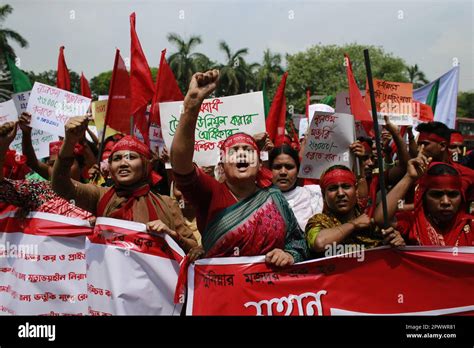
[(382, 281)]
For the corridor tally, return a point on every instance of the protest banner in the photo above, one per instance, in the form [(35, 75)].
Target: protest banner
[(343, 106), (21, 101), (218, 119), (381, 281), (327, 144), (51, 107), (98, 114), (42, 265), (8, 112), (393, 99), (131, 272), (39, 139)]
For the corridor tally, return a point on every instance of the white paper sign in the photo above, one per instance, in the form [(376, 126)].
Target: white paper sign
[(21, 101), (327, 144), (51, 107), (39, 139), (218, 119), (303, 127), (8, 112)]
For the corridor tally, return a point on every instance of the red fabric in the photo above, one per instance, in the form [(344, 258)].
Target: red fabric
[(206, 195), (358, 107), (14, 166), (55, 147), (275, 122), (456, 138), (125, 212), (416, 227), (295, 144), (430, 136), (119, 103), (467, 176), (62, 77), (423, 112), (337, 176), (166, 90), (141, 82), (85, 89), (130, 143), (443, 182)]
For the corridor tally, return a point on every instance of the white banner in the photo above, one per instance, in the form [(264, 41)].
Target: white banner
[(327, 144), (8, 112), (51, 107), (218, 119)]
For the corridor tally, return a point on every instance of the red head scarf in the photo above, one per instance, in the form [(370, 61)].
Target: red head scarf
[(423, 231), (336, 176), (15, 166), (55, 147), (264, 175), (129, 143), (456, 138), (431, 137)]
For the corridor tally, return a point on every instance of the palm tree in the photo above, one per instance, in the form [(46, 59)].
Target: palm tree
[(417, 77), (5, 49), (184, 63), (270, 70), (236, 74)]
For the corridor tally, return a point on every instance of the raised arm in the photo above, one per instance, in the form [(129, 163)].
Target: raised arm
[(395, 173), (28, 149), (415, 169), (85, 196), (182, 148)]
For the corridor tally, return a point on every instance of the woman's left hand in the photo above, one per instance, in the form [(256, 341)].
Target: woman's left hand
[(279, 258)]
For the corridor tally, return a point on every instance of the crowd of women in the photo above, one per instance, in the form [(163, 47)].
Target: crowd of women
[(246, 207)]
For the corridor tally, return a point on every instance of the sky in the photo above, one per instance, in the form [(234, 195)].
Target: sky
[(433, 34)]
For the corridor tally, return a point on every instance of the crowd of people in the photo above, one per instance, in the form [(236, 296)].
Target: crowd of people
[(246, 206)]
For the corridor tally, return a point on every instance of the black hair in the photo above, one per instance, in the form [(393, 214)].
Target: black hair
[(442, 169), (284, 149), (366, 140), (435, 127)]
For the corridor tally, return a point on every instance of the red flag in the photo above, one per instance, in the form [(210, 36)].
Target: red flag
[(62, 78), (141, 82), (422, 112), (166, 89), (275, 122), (118, 111), (358, 107), (85, 89), (308, 94)]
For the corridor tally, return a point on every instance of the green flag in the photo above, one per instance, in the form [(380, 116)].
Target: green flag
[(20, 81), (328, 100), (266, 102), (432, 98)]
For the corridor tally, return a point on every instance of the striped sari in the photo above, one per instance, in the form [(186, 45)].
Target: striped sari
[(255, 226)]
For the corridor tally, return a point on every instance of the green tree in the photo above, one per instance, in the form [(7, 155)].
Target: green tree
[(49, 78), (100, 84), (416, 76), (269, 71), (235, 75), (6, 87), (184, 63), (465, 104), (322, 70)]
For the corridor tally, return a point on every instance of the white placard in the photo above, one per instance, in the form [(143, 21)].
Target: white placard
[(8, 112), (21, 101), (218, 119), (51, 107), (39, 139), (327, 144)]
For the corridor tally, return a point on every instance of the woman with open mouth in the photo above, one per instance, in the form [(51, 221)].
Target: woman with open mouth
[(244, 215), (305, 201), (130, 197)]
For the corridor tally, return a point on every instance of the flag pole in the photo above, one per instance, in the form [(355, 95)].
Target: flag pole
[(377, 138)]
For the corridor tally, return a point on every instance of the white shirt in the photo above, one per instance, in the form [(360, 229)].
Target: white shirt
[(305, 202)]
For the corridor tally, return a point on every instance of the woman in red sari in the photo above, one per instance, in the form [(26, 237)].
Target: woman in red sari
[(242, 216), (439, 217)]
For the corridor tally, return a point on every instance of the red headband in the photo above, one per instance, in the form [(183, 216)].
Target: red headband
[(129, 143), (337, 176), (238, 139), (456, 138), (442, 182), (430, 136), (55, 147), (367, 148)]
